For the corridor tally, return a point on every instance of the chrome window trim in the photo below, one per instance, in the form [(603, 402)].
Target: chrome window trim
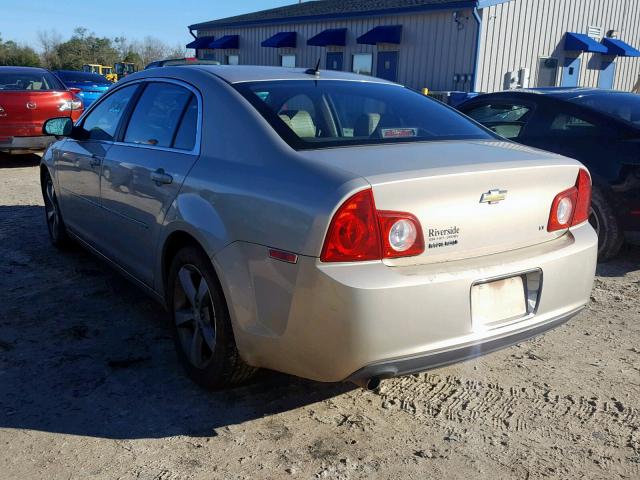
[(197, 145)]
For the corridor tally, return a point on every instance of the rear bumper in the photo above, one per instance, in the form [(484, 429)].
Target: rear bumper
[(39, 142), (435, 359), (334, 322)]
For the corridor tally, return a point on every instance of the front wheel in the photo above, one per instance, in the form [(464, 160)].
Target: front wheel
[(604, 222), (201, 326), (55, 224)]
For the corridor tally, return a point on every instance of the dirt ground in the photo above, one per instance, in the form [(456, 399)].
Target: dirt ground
[(90, 388)]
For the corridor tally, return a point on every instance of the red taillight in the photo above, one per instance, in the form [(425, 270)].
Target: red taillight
[(583, 204), (353, 234), (571, 207), (358, 232)]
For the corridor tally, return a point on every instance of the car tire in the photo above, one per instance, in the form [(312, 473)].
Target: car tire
[(603, 220), (201, 325), (53, 216)]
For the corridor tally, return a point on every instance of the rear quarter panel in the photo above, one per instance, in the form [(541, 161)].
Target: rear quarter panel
[(248, 185)]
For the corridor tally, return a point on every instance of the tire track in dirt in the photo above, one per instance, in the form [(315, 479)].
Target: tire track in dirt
[(507, 408)]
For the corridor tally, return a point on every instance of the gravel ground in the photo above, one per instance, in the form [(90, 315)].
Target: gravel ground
[(90, 388)]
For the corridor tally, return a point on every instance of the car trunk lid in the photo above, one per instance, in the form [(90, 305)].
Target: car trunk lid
[(472, 198)]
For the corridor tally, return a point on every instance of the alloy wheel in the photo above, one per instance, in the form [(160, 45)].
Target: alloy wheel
[(51, 208), (194, 315)]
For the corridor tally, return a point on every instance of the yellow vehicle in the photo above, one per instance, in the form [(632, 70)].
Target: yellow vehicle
[(103, 70), (125, 68)]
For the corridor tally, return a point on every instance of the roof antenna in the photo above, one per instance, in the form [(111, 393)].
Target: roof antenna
[(314, 71)]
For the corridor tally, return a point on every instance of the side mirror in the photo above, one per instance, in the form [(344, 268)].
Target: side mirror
[(60, 127)]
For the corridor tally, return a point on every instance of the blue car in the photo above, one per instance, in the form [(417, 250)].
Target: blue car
[(91, 85)]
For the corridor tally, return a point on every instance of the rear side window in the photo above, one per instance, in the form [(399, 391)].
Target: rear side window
[(571, 125), (186, 134), (155, 119), (312, 114), (29, 81), (102, 122)]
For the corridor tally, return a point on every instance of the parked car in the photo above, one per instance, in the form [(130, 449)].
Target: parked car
[(91, 85), (601, 128), (323, 224), (28, 97)]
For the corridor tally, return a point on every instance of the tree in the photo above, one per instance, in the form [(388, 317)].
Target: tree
[(84, 47), (49, 42), (15, 55)]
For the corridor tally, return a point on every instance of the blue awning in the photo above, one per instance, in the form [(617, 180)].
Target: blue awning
[(228, 41), (330, 36), (580, 42), (201, 42), (382, 34), (619, 48), (281, 40)]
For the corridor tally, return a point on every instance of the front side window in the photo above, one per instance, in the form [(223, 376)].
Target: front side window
[(363, 63), (102, 122), (155, 119), (571, 125), (506, 119), (328, 113), (288, 61)]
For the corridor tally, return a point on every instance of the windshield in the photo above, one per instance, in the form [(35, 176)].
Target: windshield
[(82, 77), (623, 106), (311, 114), (29, 80)]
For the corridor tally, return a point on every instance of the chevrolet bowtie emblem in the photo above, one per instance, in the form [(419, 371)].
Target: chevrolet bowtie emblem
[(493, 196)]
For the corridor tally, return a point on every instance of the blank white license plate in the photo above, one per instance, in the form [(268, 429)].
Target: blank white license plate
[(497, 301)]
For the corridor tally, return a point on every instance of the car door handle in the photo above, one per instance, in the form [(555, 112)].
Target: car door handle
[(95, 161), (161, 178)]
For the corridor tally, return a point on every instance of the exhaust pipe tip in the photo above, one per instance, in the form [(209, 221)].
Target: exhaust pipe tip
[(371, 384)]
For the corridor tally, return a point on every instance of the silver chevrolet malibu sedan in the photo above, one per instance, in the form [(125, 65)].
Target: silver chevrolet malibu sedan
[(323, 224)]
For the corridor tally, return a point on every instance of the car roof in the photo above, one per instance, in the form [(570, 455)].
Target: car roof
[(250, 73), (560, 93), (23, 69), (76, 72)]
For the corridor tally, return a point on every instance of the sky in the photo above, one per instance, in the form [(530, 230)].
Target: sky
[(21, 20)]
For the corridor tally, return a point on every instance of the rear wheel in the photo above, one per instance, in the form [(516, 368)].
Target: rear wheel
[(202, 329), (55, 224), (603, 220)]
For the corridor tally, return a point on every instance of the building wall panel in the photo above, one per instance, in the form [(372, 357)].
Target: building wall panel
[(516, 34), (434, 46)]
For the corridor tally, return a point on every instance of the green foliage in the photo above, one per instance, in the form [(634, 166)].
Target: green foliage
[(15, 55), (133, 57), (83, 48)]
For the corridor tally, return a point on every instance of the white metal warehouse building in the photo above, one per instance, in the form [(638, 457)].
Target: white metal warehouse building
[(442, 45)]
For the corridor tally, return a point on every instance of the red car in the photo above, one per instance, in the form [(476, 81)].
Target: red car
[(28, 97)]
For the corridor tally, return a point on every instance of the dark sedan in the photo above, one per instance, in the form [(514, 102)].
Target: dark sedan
[(601, 128)]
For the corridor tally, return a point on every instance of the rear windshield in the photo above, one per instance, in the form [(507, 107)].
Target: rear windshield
[(85, 77), (32, 81), (623, 106), (312, 114)]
